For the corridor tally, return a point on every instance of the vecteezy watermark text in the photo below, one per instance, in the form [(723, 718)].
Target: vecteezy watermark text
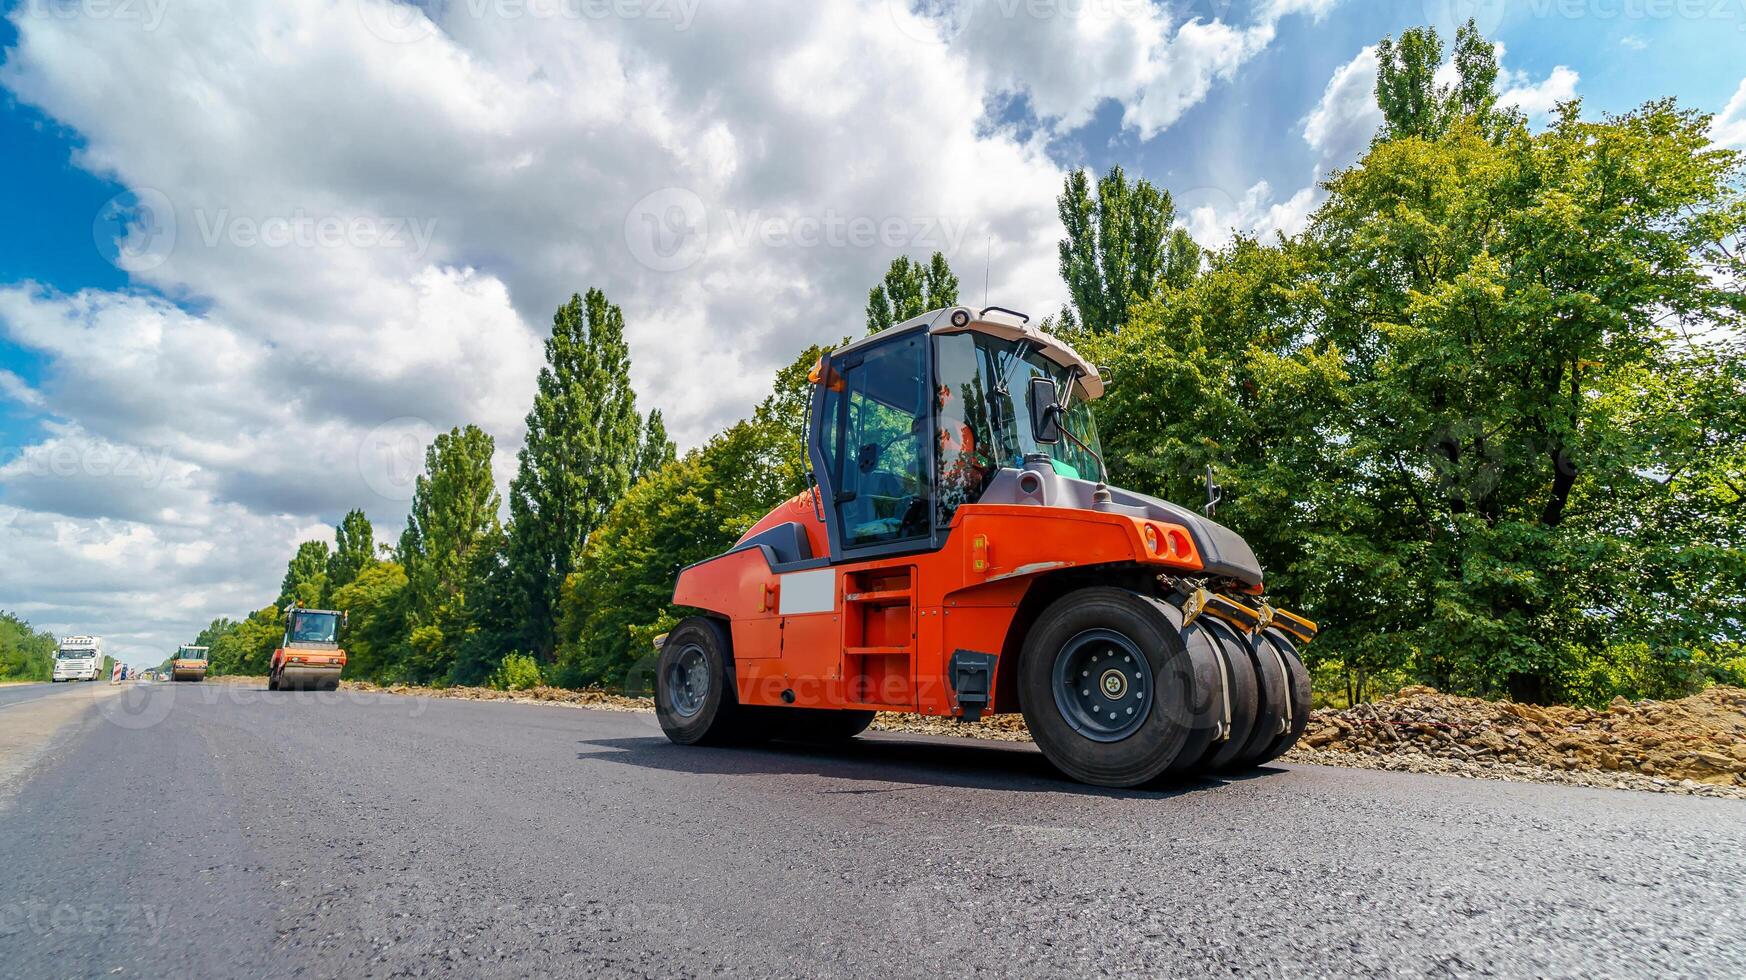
[(45, 919), (147, 13), (145, 464), (671, 228), (300, 229)]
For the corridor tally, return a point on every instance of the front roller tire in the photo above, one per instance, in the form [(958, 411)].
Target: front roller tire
[(696, 694), (1110, 692), (1297, 691)]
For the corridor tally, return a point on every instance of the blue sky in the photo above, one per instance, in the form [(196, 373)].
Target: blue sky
[(475, 166)]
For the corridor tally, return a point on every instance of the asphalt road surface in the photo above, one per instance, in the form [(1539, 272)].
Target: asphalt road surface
[(220, 831)]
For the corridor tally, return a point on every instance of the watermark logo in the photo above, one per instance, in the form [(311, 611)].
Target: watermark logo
[(945, 21), (300, 229), (135, 230), (667, 230), (406, 22), (395, 21), (148, 466), (136, 922), (670, 230), (136, 706), (391, 456), (931, 21), (1448, 15), (147, 13)]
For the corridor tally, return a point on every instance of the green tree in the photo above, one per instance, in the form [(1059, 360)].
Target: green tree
[(1412, 102), (26, 653), (1477, 419), (693, 508), (910, 289), (582, 446), (305, 578), (453, 514), (654, 449), (354, 550), (375, 635), (1120, 248), (245, 647)]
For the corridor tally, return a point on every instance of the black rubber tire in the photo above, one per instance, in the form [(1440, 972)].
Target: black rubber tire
[(1270, 705), (819, 724), (330, 685), (1179, 696), (1298, 692), (1240, 668), (721, 719), (1209, 709)]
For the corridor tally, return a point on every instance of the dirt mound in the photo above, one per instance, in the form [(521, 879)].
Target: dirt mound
[(1700, 739)]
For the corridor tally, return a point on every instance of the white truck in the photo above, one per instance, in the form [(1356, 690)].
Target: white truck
[(80, 658)]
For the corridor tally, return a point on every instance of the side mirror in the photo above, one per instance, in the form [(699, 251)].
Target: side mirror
[(1045, 411)]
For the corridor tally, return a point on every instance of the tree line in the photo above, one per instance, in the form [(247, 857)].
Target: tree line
[(1484, 419)]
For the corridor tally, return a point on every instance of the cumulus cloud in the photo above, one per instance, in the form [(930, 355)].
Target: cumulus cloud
[(1346, 117), (1069, 58), (1728, 129), (347, 225), (1536, 100), (1339, 129)]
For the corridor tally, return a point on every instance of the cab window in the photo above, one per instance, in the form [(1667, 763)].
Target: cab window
[(880, 457)]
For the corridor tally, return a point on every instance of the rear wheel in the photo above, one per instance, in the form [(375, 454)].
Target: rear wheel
[(1109, 690), (696, 699)]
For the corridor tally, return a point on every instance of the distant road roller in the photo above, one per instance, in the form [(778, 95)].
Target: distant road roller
[(189, 664), (309, 657), (960, 554)]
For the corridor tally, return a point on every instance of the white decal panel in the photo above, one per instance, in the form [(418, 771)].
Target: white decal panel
[(807, 592)]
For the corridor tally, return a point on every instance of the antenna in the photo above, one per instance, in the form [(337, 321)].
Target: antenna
[(1214, 493), (987, 260)]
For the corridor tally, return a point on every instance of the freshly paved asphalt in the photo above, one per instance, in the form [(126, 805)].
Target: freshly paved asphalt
[(20, 693), (220, 831)]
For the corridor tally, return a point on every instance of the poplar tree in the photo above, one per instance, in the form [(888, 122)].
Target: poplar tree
[(582, 449), (1120, 247), (910, 289), (354, 549)]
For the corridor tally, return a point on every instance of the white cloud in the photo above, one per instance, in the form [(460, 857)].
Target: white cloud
[(1343, 121), (14, 388), (1068, 57), (1728, 129), (1632, 42), (368, 236), (1536, 100), (1212, 219), (1339, 129)]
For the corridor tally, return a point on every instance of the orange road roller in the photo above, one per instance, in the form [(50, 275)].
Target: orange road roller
[(960, 554), (189, 664), (309, 657)]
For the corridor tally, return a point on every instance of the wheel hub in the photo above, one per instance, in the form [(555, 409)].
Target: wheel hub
[(688, 681), (1103, 685), (1114, 684)]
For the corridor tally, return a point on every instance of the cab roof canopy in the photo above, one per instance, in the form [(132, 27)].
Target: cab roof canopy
[(996, 322)]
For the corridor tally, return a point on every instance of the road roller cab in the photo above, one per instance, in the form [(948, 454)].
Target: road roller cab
[(189, 664), (959, 554), (309, 657)]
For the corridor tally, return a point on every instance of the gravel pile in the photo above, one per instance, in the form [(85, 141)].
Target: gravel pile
[(602, 700), (1694, 745)]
